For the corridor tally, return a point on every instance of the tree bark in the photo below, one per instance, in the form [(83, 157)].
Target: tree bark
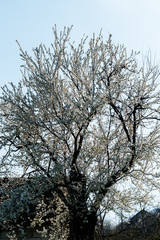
[(82, 227)]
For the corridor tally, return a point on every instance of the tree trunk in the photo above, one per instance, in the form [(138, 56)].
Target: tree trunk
[(82, 228), (82, 222)]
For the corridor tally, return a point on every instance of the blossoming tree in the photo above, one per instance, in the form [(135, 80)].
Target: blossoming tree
[(85, 117)]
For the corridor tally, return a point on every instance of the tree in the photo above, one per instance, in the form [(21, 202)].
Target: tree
[(29, 204), (84, 118)]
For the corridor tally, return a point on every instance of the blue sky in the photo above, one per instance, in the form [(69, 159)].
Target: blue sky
[(134, 23)]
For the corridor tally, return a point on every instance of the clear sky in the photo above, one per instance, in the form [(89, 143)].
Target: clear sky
[(134, 23)]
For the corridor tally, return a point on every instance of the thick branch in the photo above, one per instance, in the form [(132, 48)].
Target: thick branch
[(121, 119)]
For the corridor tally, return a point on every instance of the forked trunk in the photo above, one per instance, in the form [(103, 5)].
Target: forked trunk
[(82, 228)]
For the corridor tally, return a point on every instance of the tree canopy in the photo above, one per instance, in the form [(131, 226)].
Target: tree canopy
[(85, 117)]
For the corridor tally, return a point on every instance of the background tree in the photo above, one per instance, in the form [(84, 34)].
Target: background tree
[(29, 205), (85, 118)]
